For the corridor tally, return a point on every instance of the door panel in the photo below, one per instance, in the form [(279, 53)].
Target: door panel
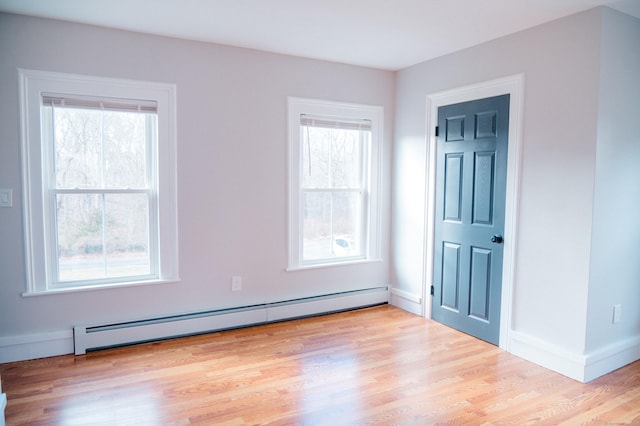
[(453, 187), (470, 201), (450, 276), (480, 283), (455, 128), (484, 171)]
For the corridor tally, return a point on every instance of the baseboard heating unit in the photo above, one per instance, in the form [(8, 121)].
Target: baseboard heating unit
[(125, 333)]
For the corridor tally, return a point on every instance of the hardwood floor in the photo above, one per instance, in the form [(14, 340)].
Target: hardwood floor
[(376, 366)]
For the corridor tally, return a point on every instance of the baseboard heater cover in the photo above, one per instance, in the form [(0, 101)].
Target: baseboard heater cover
[(125, 333)]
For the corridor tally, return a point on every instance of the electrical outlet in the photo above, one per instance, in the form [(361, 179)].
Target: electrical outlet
[(617, 313), (236, 283), (6, 197)]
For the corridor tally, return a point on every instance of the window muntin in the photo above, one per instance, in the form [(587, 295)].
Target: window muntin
[(99, 180), (334, 162)]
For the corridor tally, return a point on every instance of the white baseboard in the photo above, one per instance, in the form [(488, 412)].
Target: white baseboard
[(32, 346), (547, 355), (21, 348), (406, 301), (610, 358), (580, 367)]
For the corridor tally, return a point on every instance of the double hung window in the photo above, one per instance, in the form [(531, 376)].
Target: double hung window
[(334, 182), (99, 209)]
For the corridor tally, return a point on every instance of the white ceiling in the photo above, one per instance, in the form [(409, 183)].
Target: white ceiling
[(386, 34)]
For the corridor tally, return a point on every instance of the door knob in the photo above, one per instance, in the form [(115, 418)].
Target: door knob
[(497, 239)]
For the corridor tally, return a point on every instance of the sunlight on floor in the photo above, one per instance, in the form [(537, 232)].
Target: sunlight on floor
[(112, 407)]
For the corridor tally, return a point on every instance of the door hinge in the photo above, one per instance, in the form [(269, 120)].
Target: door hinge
[(437, 131), (433, 290)]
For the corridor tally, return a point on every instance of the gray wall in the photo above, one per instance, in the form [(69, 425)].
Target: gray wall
[(557, 241), (615, 260), (232, 152)]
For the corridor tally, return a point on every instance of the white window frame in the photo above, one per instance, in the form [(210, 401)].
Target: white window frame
[(371, 226), (38, 247)]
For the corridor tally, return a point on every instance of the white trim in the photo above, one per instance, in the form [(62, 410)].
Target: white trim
[(406, 295), (581, 367), (514, 86), (373, 223), (32, 85), (612, 357), (32, 346), (332, 264), (406, 301), (547, 355), (98, 287)]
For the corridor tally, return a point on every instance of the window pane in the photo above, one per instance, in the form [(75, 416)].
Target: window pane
[(346, 159), (78, 148), (127, 235), (331, 227), (315, 157), (102, 235), (332, 158), (125, 149), (100, 149)]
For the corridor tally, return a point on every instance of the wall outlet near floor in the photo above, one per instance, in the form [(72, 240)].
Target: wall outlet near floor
[(6, 197), (617, 313), (236, 283)]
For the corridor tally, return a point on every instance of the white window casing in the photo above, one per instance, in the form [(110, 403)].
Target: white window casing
[(312, 113), (86, 92)]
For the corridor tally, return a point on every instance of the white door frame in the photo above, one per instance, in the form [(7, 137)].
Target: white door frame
[(514, 86)]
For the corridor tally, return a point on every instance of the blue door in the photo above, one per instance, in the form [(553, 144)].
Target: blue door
[(471, 169)]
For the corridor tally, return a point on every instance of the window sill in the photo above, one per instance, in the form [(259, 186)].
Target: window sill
[(97, 287), (331, 264)]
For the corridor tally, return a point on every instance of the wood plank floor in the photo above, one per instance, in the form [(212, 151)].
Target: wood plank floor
[(376, 366)]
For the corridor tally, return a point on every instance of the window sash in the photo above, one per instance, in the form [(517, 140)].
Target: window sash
[(305, 114), (363, 129), (103, 260), (48, 114), (364, 148), (52, 190)]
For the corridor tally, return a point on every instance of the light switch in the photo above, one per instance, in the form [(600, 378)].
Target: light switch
[(6, 197)]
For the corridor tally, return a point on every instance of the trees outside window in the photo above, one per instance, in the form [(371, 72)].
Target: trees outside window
[(101, 189)]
